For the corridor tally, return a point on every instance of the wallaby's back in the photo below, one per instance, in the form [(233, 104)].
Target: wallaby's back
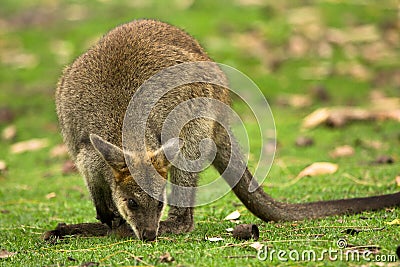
[(95, 90)]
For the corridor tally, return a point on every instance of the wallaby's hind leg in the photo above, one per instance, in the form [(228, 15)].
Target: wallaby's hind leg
[(180, 216), (96, 171)]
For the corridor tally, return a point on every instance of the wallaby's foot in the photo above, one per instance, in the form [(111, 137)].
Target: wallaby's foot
[(123, 230), (172, 226), (80, 229), (180, 220), (107, 216)]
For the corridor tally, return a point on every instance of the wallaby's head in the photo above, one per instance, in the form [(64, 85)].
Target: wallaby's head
[(133, 193)]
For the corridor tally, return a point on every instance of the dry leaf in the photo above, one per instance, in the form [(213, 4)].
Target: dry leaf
[(76, 12), (342, 151), (304, 141), (166, 257), (214, 239), (62, 49), (3, 166), (233, 216), (6, 254), (6, 115), (298, 46), (304, 15), (256, 245), (320, 93), (364, 33), (316, 118), (30, 145), (20, 59), (384, 159), (316, 72), (250, 2), (59, 150), (68, 167), (51, 195), (295, 100), (339, 116), (374, 144), (395, 221), (318, 168), (9, 133), (397, 179)]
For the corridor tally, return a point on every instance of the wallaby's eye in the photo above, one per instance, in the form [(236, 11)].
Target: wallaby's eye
[(132, 204), (160, 204)]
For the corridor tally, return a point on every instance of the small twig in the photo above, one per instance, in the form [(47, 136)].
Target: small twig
[(358, 181), (137, 258), (240, 256)]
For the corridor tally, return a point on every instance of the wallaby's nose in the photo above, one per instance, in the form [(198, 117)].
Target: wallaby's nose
[(148, 234)]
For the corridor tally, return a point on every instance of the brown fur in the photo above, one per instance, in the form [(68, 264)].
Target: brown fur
[(92, 97)]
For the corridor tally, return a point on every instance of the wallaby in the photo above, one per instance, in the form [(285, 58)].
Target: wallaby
[(92, 97)]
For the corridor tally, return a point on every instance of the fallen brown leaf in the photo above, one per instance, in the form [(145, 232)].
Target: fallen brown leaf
[(304, 16), (166, 257), (233, 216), (59, 150), (68, 167), (295, 100), (304, 141), (298, 46), (363, 33), (9, 133), (318, 168), (6, 115), (256, 245), (76, 12), (342, 151), (6, 254), (51, 195), (339, 116), (397, 179), (374, 144), (3, 166), (320, 93), (384, 159), (30, 145)]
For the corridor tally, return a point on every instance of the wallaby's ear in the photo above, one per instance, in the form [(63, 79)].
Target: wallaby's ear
[(170, 149), (162, 157), (113, 155)]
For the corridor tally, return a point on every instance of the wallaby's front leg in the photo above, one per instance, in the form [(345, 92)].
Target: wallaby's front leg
[(96, 172), (180, 215)]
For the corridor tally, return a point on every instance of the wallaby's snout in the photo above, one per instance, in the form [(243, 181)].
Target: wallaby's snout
[(149, 234)]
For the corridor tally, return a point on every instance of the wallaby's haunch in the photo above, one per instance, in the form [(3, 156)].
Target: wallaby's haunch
[(92, 97)]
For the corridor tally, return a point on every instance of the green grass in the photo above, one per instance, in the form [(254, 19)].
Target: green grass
[(35, 28)]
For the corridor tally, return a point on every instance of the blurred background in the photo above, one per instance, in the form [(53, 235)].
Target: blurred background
[(302, 54)]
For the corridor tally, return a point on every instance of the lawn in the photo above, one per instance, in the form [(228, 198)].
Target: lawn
[(303, 55)]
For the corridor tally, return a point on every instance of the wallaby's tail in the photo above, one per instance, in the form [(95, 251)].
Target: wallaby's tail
[(266, 208)]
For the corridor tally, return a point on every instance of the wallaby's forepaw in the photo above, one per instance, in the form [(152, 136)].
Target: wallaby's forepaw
[(175, 226), (81, 229)]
